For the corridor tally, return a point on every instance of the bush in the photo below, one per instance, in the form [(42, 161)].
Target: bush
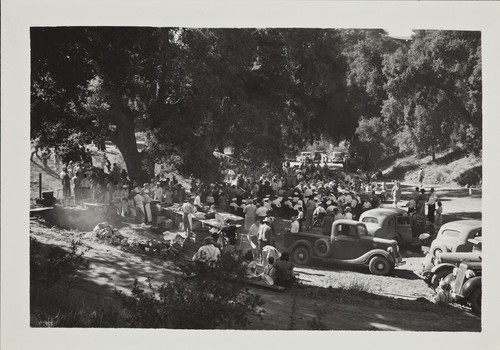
[(471, 177), (213, 299)]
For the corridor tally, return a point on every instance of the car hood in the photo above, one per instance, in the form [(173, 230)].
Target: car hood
[(458, 257), (380, 241)]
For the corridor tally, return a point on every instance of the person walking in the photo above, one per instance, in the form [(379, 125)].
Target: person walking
[(421, 175)]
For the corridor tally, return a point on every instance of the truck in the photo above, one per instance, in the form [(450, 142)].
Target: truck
[(348, 244)]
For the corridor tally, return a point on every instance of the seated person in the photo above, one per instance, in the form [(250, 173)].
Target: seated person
[(207, 253), (270, 269), (284, 271)]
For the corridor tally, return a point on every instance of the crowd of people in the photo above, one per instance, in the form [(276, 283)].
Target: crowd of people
[(308, 196)]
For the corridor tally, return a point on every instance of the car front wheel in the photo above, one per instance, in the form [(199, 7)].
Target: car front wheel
[(380, 266), (301, 255), (475, 300)]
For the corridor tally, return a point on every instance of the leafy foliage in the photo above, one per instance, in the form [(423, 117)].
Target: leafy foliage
[(213, 299), (264, 92)]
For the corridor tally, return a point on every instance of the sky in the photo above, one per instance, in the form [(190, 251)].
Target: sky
[(399, 31)]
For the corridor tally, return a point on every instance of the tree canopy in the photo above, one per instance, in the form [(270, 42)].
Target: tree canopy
[(264, 92)]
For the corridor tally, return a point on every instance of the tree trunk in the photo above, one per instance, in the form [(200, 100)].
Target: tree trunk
[(124, 138)]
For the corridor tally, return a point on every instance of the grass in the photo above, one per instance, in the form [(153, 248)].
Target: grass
[(444, 171)]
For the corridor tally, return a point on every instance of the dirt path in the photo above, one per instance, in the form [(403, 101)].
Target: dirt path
[(297, 308)]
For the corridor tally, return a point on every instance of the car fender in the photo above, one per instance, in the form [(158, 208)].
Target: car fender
[(442, 266), (301, 242), (470, 286), (365, 258)]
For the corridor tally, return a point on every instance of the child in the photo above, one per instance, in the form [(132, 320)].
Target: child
[(270, 270), (443, 293), (438, 220)]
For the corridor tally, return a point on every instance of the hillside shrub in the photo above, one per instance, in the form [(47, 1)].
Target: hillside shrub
[(471, 177)]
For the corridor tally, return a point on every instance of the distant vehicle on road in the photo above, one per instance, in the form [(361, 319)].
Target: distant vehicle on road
[(349, 244)]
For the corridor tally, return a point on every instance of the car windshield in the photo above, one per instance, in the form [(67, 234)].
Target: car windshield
[(370, 219), (362, 230)]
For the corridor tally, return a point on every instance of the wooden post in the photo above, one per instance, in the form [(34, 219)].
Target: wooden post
[(40, 185)]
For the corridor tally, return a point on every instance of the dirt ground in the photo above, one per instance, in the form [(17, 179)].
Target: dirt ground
[(400, 301)]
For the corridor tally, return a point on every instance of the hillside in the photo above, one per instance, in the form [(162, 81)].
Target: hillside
[(451, 169)]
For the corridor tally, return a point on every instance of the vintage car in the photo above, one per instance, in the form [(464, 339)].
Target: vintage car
[(455, 237), (348, 244), (466, 285), (433, 269), (395, 223)]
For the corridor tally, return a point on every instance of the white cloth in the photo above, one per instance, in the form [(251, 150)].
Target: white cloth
[(294, 228)]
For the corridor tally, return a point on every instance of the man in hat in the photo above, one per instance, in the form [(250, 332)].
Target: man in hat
[(264, 234), (208, 253)]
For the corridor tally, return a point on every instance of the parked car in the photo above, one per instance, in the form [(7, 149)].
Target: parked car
[(433, 269), (455, 237), (395, 223), (349, 244), (466, 285)]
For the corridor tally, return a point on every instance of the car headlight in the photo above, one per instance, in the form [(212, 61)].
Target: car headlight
[(390, 250), (455, 271), (469, 274)]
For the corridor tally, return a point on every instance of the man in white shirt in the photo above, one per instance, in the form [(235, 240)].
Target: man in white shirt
[(158, 192), (188, 210), (208, 253), (264, 234), (294, 227), (261, 211), (431, 205)]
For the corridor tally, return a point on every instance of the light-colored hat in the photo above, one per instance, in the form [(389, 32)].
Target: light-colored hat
[(214, 230), (266, 219)]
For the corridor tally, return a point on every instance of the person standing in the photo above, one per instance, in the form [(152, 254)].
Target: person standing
[(439, 215), (421, 175), (147, 206), (188, 210), (249, 212), (310, 207), (431, 205), (123, 209), (66, 182), (328, 223), (158, 193), (396, 193), (139, 204), (264, 234)]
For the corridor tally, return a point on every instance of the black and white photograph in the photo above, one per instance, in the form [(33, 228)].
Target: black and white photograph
[(253, 177)]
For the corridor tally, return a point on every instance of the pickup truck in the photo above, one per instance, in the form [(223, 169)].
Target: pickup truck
[(348, 244)]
